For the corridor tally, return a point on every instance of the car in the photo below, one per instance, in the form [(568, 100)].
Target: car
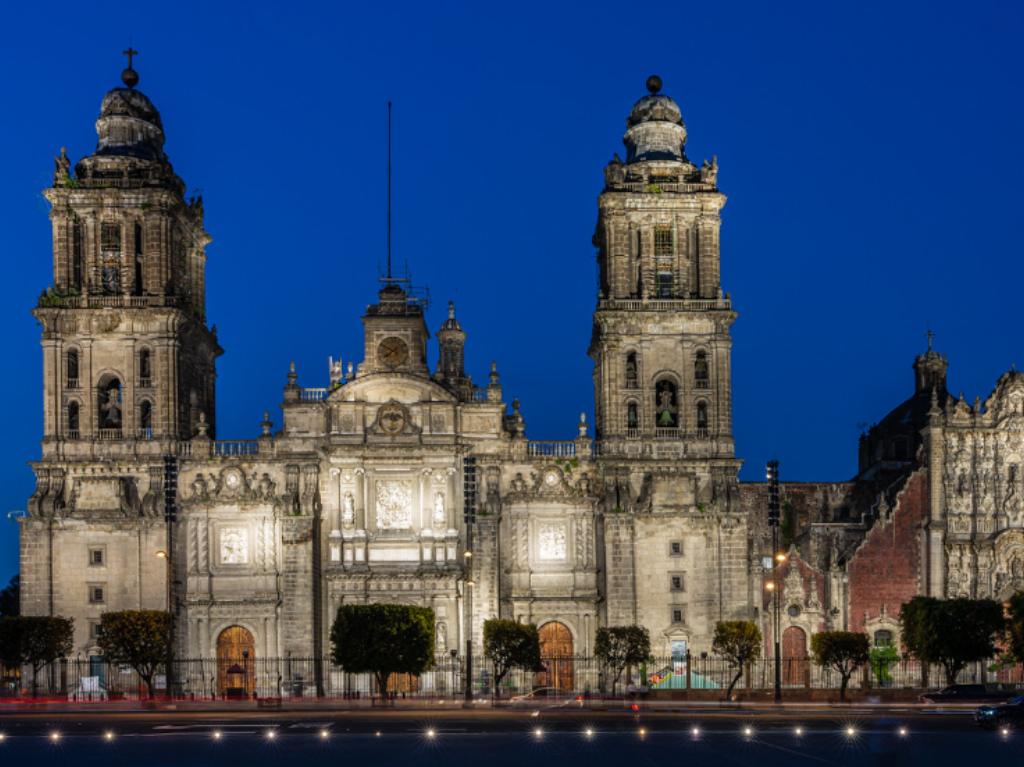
[(970, 693), (1006, 714)]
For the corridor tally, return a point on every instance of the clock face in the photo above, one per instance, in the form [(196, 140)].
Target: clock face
[(392, 352)]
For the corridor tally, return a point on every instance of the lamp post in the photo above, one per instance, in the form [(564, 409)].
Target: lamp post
[(773, 522)]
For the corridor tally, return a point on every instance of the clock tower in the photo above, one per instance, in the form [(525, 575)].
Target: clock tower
[(395, 333)]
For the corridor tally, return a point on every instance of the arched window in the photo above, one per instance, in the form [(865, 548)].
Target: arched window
[(700, 370), (632, 376), (73, 426), (666, 404), (71, 369), (109, 404), (632, 416), (702, 418), (146, 419), (145, 368), (883, 638)]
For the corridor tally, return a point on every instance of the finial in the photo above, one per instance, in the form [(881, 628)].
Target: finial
[(654, 84), (266, 424), (293, 377), (129, 76), (451, 310), (931, 336), (495, 379)]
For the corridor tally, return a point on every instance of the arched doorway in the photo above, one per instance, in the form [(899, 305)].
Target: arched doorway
[(794, 657), (556, 655), (236, 662)]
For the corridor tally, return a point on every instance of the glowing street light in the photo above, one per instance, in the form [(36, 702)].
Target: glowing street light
[(850, 732), (748, 731), (798, 731), (324, 734), (695, 732), (108, 735), (903, 732), (431, 733), (54, 736), (538, 733), (271, 734), (216, 734)]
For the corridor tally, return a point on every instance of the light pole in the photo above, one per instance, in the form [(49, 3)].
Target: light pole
[(773, 522)]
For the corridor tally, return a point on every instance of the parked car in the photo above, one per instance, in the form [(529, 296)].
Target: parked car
[(1010, 714), (970, 693)]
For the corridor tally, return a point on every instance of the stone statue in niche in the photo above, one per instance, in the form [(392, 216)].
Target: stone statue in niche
[(1010, 497), (200, 490), (348, 509), (441, 643), (667, 409), (267, 487), (110, 408), (439, 516)]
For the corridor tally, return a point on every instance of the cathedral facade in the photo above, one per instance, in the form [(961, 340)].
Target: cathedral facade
[(402, 480), (405, 481)]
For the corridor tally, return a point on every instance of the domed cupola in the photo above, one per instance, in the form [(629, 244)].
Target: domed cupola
[(655, 128), (131, 140)]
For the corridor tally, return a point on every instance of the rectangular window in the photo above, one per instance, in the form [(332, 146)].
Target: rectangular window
[(675, 549), (676, 582), (97, 556), (94, 629), (97, 594), (677, 614), (666, 284)]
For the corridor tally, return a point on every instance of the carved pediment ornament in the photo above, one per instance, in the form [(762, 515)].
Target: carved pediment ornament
[(393, 420)]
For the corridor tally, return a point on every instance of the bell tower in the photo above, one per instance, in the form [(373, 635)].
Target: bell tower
[(661, 344), (127, 354)]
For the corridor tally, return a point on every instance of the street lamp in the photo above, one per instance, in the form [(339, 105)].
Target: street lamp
[(774, 509)]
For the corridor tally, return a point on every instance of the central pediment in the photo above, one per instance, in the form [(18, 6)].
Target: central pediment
[(392, 387)]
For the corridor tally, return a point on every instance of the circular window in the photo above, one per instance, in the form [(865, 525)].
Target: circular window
[(794, 611)]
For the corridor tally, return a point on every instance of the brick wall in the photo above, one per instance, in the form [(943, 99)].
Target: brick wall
[(886, 570)]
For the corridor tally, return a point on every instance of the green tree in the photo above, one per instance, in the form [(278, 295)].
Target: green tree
[(1015, 626), (136, 638), (10, 598), (951, 632), (621, 646), (845, 651), (881, 660), (738, 642), (35, 640), (509, 644), (383, 640)]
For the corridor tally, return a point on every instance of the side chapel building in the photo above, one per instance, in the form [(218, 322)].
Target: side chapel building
[(405, 480)]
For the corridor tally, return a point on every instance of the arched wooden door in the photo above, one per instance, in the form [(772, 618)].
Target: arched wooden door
[(794, 657), (556, 655), (236, 662)]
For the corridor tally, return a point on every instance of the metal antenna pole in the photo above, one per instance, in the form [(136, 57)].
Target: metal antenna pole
[(389, 191)]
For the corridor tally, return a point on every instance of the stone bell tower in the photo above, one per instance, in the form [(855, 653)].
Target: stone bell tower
[(675, 537), (661, 342), (127, 353)]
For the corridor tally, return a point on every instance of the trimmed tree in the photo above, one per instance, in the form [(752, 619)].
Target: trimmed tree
[(1015, 626), (509, 644), (136, 638), (738, 642), (951, 632), (881, 660), (844, 651), (621, 646), (383, 640), (35, 640)]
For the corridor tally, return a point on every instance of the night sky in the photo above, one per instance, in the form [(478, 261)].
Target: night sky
[(871, 154)]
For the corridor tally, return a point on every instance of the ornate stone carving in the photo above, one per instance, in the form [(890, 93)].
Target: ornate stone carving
[(234, 546), (394, 504), (551, 542)]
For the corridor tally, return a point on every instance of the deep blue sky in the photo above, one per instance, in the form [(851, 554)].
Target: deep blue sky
[(871, 154)]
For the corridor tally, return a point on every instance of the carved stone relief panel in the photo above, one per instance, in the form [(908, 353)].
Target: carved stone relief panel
[(551, 542), (234, 546), (394, 504)]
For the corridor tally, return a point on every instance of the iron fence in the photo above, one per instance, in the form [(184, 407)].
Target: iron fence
[(295, 678)]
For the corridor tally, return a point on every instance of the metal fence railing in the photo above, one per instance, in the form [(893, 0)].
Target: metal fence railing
[(96, 678)]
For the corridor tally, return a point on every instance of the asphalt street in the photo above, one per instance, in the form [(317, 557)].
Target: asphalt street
[(494, 738)]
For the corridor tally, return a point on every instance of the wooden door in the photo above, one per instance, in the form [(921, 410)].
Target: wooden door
[(556, 655), (794, 657), (236, 662)]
